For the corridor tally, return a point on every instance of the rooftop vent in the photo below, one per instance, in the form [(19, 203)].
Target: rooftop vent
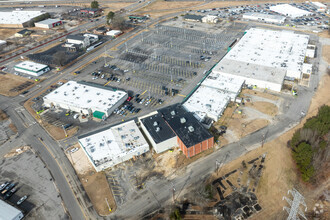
[(191, 129), (157, 129), (155, 123), (182, 120), (173, 112)]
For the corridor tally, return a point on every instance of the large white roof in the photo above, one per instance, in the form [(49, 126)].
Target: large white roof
[(209, 101), (7, 211), (289, 10), (48, 21), (266, 17), (114, 143), (269, 48), (226, 83), (85, 96), (18, 17), (32, 66)]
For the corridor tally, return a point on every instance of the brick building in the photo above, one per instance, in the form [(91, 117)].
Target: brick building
[(192, 137)]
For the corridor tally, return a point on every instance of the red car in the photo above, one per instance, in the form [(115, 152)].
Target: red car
[(129, 98)]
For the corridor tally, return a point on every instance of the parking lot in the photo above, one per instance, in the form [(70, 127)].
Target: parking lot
[(43, 199)]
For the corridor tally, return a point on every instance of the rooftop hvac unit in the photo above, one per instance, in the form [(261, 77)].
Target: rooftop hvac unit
[(88, 101), (56, 92), (109, 141), (88, 139), (86, 90), (173, 112), (132, 130), (92, 149), (119, 129), (157, 129), (98, 93), (182, 120), (191, 129), (155, 123), (101, 144), (123, 136)]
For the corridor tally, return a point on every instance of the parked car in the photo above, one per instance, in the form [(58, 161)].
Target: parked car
[(21, 200), (9, 193), (4, 185)]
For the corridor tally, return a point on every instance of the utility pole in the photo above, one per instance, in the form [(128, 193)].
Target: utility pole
[(190, 59), (173, 192), (217, 166), (106, 200), (294, 211)]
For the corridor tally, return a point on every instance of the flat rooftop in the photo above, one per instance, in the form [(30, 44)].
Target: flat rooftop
[(265, 16), (207, 100), (157, 128), (32, 66), (185, 125), (113, 143), (86, 96), (49, 21), (18, 17), (319, 4), (277, 49), (288, 10), (225, 83), (7, 211), (253, 71)]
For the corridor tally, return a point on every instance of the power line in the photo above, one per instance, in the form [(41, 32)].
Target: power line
[(294, 211)]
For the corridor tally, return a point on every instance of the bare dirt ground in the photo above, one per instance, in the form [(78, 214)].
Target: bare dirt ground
[(7, 32), (264, 107), (3, 115), (326, 53), (280, 173), (17, 151), (9, 81), (95, 183), (114, 6), (258, 93)]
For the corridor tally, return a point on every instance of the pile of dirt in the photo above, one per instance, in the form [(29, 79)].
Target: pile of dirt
[(17, 151), (3, 115)]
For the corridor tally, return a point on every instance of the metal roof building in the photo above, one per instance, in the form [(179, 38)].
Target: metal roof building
[(255, 16), (48, 23), (8, 212), (113, 145), (264, 57), (18, 19), (31, 68), (158, 132), (85, 98), (288, 10)]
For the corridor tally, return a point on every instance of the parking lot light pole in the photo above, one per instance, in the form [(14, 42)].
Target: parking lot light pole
[(105, 54), (106, 200), (66, 135)]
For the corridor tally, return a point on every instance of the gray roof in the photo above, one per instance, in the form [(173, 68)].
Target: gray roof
[(48, 21), (7, 211), (75, 37), (193, 17)]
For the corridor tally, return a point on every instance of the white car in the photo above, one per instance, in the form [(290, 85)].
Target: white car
[(74, 149), (21, 200), (60, 83)]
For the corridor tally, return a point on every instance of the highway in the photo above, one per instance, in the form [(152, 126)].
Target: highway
[(157, 192)]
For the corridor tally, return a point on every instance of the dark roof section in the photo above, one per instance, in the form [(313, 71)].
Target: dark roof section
[(157, 128), (185, 125), (193, 17), (24, 31), (75, 37)]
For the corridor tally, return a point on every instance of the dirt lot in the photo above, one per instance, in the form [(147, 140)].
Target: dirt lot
[(90, 179), (7, 32), (280, 172), (326, 53), (3, 115), (114, 6), (264, 107), (10, 81), (258, 93)]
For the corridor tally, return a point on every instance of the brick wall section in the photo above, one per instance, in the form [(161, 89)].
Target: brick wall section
[(196, 149)]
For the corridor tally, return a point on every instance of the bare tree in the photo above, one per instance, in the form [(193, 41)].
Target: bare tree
[(118, 22), (59, 58)]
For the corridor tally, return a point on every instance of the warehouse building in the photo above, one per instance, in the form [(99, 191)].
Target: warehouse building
[(31, 68), (48, 23), (8, 212), (194, 18), (86, 98), (255, 16), (18, 19), (77, 41), (264, 57), (158, 132), (114, 33), (319, 6), (310, 52), (192, 137), (206, 101), (113, 145), (290, 11)]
